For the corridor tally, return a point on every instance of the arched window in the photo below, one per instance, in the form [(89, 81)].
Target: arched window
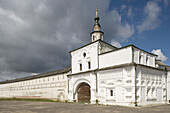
[(93, 37), (111, 92), (89, 65), (84, 54), (147, 61), (141, 59), (80, 67)]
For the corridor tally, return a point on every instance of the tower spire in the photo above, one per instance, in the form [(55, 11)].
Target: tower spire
[(97, 33)]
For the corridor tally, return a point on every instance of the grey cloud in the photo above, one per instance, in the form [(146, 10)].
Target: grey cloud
[(37, 35), (115, 28), (152, 21), (166, 3)]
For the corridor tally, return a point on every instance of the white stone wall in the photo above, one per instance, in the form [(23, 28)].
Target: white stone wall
[(116, 86), (144, 58), (117, 57), (76, 80), (151, 86), (77, 58), (52, 87), (120, 81), (104, 47)]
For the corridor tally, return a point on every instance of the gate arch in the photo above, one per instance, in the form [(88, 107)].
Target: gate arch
[(83, 92)]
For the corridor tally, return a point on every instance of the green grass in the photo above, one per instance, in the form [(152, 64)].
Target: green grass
[(27, 99)]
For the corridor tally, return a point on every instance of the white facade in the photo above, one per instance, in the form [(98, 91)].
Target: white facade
[(50, 86), (83, 56), (118, 76), (113, 58), (99, 73)]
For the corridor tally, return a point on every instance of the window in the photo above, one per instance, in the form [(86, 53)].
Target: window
[(101, 36), (148, 93), (141, 59), (111, 92), (147, 61), (89, 65), (84, 54), (93, 37), (80, 67)]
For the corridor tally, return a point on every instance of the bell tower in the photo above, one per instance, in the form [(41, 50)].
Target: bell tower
[(97, 33)]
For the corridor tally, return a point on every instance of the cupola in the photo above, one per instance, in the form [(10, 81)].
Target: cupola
[(97, 33)]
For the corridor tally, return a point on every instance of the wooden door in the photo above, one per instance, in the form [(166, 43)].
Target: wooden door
[(84, 93)]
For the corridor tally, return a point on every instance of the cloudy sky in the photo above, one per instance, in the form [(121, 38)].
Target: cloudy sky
[(37, 35)]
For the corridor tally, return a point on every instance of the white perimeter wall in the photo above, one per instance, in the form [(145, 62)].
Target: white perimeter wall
[(118, 57), (54, 87)]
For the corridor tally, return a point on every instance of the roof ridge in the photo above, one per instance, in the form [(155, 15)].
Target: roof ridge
[(67, 69)]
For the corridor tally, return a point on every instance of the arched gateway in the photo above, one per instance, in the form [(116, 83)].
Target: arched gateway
[(84, 93)]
